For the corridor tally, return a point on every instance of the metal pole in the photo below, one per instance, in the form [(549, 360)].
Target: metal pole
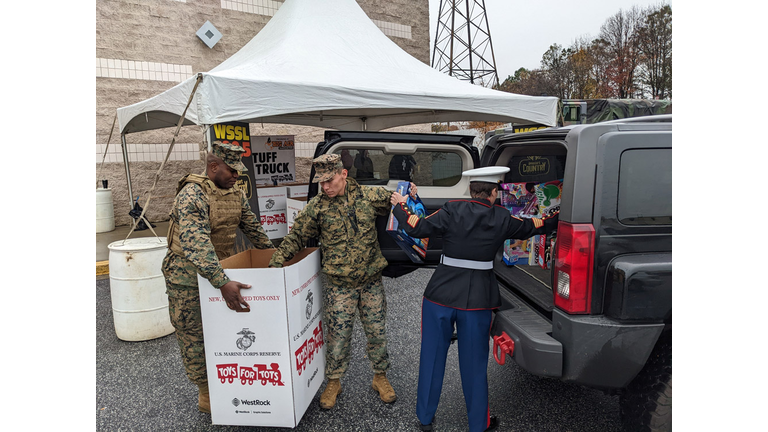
[(469, 44), (453, 35), (490, 42), (127, 170)]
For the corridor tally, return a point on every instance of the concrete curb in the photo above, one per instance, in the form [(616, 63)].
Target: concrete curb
[(102, 268)]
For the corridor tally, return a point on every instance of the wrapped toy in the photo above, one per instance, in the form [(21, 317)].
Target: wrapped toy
[(416, 249)]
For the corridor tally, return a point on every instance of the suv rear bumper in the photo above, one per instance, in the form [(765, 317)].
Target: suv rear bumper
[(591, 350), (535, 350)]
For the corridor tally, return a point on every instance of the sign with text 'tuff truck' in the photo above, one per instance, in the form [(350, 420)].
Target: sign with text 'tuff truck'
[(274, 160)]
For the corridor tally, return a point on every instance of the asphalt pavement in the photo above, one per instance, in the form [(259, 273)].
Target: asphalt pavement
[(141, 386)]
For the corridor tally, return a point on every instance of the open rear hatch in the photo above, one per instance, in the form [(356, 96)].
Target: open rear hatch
[(536, 162), (434, 162)]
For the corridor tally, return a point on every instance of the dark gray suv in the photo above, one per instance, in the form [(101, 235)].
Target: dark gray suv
[(600, 312)]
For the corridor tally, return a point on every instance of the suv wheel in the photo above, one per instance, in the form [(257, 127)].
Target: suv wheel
[(647, 403)]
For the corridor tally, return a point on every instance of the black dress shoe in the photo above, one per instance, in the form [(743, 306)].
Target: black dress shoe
[(494, 424), (429, 427)]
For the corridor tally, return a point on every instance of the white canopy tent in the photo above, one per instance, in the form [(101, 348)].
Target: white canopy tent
[(326, 64)]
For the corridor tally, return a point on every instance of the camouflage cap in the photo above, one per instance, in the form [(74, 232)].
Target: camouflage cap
[(231, 155), (326, 166)]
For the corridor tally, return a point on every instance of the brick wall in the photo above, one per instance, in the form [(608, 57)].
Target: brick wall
[(144, 47)]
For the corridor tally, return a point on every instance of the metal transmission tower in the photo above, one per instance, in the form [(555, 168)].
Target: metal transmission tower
[(463, 45)]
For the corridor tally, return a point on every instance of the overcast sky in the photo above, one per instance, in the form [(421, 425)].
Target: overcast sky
[(522, 30)]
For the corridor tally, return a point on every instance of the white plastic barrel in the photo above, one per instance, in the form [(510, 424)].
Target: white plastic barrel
[(137, 285), (105, 214)]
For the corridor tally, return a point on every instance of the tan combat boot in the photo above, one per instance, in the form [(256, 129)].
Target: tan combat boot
[(332, 390), (381, 385), (203, 399)]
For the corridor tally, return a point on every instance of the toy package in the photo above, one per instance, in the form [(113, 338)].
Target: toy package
[(533, 251), (548, 197), (515, 251), (527, 200), (519, 200), (416, 249), (551, 253), (543, 253)]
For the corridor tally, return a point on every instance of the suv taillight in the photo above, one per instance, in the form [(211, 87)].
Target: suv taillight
[(575, 249)]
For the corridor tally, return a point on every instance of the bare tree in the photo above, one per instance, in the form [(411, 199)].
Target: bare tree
[(620, 35), (556, 63), (631, 58), (598, 50), (582, 60), (655, 44)]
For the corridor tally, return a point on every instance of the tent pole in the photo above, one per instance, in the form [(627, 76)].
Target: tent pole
[(162, 164), (127, 170)]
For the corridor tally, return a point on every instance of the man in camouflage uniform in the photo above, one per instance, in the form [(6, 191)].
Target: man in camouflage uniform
[(206, 213), (342, 216)]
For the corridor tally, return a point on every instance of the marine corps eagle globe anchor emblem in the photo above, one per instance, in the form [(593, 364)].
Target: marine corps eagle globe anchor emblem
[(309, 305), (246, 340)]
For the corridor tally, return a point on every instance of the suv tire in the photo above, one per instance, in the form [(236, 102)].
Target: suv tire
[(647, 403)]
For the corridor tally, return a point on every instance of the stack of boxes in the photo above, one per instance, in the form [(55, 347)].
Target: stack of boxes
[(296, 201), (528, 200)]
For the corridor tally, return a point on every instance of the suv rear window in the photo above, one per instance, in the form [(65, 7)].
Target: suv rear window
[(645, 187), (425, 168)]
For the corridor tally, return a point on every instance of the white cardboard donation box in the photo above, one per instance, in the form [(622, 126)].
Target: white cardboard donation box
[(293, 207), (265, 366), (300, 190), (272, 209)]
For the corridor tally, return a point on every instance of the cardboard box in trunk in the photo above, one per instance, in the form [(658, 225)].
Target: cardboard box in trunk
[(265, 366)]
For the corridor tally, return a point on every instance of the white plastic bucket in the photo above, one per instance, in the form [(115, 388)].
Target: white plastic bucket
[(137, 285), (105, 214)]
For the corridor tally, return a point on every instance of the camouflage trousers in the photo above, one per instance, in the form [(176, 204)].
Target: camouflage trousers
[(184, 309), (341, 299)]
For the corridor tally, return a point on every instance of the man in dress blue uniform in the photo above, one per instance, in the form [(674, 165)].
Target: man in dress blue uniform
[(463, 290)]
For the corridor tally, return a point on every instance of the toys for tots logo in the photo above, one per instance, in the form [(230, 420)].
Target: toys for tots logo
[(306, 352), (259, 373)]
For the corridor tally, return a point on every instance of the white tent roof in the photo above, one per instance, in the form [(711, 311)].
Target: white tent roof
[(326, 64)]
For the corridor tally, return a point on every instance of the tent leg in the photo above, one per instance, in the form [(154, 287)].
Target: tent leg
[(127, 170)]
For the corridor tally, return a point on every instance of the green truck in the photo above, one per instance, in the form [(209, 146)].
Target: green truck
[(590, 111)]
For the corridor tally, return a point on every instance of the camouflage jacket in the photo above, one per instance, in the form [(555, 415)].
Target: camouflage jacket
[(191, 214), (346, 228)]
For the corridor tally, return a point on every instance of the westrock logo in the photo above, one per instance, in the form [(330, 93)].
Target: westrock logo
[(237, 402), (246, 340), (310, 300)]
